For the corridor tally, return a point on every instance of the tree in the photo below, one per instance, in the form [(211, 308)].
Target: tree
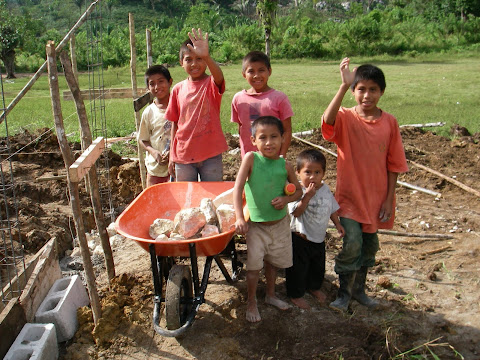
[(266, 11), (10, 38)]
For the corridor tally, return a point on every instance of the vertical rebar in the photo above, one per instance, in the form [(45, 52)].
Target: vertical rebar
[(12, 259), (98, 123)]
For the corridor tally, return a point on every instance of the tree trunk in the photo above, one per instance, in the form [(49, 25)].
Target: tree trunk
[(9, 62), (267, 42)]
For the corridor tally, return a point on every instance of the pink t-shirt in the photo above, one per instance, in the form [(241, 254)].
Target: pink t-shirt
[(248, 107), (195, 106), (366, 151)]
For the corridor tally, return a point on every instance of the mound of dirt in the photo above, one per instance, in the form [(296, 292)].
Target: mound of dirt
[(428, 286)]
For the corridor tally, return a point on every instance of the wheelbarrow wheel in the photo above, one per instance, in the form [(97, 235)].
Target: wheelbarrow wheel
[(178, 296)]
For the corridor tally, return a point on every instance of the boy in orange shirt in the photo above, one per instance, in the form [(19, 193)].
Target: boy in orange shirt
[(370, 156), (194, 109)]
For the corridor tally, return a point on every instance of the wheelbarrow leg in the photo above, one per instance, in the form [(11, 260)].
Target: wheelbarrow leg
[(237, 265)]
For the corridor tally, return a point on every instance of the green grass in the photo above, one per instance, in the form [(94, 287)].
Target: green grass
[(425, 89)]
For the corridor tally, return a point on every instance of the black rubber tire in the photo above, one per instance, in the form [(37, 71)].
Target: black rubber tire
[(178, 296)]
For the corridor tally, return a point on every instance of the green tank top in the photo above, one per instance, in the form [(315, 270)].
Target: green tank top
[(265, 182)]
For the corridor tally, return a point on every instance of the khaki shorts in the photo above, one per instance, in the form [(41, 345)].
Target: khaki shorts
[(272, 243)]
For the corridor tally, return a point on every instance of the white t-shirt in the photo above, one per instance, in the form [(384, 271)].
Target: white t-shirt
[(156, 129), (313, 222)]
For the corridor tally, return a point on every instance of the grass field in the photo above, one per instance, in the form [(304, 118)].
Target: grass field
[(421, 90)]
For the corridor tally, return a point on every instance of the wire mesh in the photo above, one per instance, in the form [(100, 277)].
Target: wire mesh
[(98, 123), (12, 258)]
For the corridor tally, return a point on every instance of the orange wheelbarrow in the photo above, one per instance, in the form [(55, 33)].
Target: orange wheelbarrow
[(182, 300)]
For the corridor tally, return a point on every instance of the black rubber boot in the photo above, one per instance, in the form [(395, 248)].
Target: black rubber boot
[(358, 292), (344, 292)]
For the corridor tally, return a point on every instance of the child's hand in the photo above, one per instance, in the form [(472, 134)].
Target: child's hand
[(385, 211), (241, 227), (200, 43), (171, 169), (165, 157), (279, 202), (347, 75), (310, 192), (341, 230)]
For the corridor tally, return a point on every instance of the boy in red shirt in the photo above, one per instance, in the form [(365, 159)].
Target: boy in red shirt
[(370, 156), (194, 108)]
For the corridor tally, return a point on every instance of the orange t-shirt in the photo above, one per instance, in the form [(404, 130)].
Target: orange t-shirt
[(367, 151), (195, 106)]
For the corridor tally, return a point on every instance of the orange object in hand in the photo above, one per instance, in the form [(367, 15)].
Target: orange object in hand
[(289, 189)]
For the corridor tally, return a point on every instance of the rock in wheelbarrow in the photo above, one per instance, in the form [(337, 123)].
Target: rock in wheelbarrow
[(226, 217), (188, 222), (208, 209), (209, 230), (160, 227)]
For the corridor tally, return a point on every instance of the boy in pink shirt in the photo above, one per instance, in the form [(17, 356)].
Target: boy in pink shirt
[(370, 156), (194, 108), (259, 100)]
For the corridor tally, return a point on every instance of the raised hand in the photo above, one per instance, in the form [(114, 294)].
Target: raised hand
[(347, 75), (200, 43)]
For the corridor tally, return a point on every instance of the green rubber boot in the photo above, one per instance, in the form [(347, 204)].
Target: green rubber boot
[(344, 292), (358, 292)]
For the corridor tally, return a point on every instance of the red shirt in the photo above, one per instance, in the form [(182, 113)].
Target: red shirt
[(367, 150), (195, 106)]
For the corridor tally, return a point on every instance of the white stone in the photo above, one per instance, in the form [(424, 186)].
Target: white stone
[(35, 341), (226, 217), (176, 236), (189, 222), (208, 209), (111, 229), (116, 240), (160, 226), (98, 250), (224, 198), (209, 230), (162, 237)]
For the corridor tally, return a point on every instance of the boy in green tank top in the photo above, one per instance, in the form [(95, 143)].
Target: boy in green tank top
[(263, 175)]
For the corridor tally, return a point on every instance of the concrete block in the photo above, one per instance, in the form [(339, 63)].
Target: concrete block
[(35, 342), (60, 306)]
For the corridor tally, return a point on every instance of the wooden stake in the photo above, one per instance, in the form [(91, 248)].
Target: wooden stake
[(148, 35), (436, 251), (73, 57), (72, 187), (92, 172), (133, 76), (449, 179)]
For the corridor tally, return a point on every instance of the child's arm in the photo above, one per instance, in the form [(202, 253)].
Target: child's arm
[(336, 221), (287, 136), (160, 158), (241, 225), (303, 203), (280, 201), (171, 164), (347, 79), (200, 47), (386, 210)]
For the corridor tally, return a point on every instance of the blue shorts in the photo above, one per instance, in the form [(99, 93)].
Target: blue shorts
[(207, 170)]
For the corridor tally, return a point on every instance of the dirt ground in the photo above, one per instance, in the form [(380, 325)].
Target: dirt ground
[(429, 288)]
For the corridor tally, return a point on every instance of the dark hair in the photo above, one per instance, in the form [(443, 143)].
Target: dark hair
[(370, 72), (184, 49), (267, 120), (157, 69), (255, 56), (311, 155)]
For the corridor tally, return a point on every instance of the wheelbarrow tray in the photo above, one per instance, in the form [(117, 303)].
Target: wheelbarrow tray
[(165, 201)]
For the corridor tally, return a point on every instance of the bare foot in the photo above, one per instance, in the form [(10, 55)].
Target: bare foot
[(273, 300), (320, 296), (252, 312), (301, 303)]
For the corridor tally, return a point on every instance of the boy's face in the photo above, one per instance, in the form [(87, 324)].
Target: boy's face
[(311, 172), (367, 94), (159, 86), (268, 141), (193, 65), (257, 74)]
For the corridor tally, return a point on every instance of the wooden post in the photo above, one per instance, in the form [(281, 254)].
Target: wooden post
[(133, 76), (42, 68), (92, 174), (148, 35), (73, 57), (68, 158)]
